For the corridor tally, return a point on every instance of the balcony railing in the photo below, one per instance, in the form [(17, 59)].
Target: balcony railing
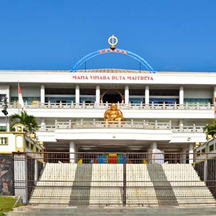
[(140, 106), (145, 125)]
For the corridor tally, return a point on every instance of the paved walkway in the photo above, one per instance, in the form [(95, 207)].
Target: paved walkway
[(111, 211)]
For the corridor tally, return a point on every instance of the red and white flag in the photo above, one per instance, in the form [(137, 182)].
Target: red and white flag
[(20, 98)]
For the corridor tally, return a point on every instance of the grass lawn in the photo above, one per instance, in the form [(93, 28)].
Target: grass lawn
[(6, 204)]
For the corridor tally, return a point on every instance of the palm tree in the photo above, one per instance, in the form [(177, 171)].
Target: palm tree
[(210, 129), (29, 121)]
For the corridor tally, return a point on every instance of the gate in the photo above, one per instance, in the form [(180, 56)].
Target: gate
[(116, 179)]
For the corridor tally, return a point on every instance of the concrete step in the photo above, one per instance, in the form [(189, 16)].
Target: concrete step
[(123, 211)]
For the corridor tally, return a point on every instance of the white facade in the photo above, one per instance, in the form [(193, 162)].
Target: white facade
[(167, 108)]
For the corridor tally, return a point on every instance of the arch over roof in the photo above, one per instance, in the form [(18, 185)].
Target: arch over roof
[(115, 51)]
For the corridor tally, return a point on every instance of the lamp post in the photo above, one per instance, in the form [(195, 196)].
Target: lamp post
[(4, 110)]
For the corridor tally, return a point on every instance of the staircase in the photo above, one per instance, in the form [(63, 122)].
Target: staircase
[(140, 189), (55, 185), (102, 185), (162, 186), (186, 185), (106, 185)]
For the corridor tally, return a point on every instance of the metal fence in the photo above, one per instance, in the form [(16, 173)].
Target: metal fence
[(92, 178)]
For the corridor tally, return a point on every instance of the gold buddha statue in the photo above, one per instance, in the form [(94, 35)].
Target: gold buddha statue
[(113, 114)]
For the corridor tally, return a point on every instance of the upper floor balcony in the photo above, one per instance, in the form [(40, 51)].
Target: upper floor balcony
[(143, 125), (124, 106), (130, 110), (127, 130)]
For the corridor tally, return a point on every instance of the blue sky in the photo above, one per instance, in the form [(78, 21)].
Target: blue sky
[(172, 35)]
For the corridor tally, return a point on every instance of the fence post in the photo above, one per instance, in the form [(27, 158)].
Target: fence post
[(20, 176), (124, 180)]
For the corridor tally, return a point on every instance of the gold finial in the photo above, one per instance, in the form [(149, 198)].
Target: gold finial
[(113, 40)]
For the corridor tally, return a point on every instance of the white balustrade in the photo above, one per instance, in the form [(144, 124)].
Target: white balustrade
[(138, 106), (145, 125)]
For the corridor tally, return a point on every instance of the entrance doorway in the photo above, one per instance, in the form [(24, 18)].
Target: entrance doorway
[(112, 97)]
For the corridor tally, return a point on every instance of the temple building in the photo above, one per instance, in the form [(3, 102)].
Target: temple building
[(163, 111)]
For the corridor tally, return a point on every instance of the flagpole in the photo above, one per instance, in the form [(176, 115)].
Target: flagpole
[(18, 98)]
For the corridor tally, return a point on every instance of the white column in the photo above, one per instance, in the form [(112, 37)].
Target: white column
[(43, 124), (42, 94), (97, 94), (147, 95), (153, 145), (72, 149), (184, 156), (181, 95), (77, 94), (126, 94), (36, 171), (191, 153), (20, 177), (152, 157), (181, 125), (8, 93)]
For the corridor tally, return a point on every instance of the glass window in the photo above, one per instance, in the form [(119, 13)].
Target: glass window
[(203, 150), (211, 148), (193, 101), (3, 141)]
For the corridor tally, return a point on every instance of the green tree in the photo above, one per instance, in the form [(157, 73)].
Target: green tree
[(210, 129), (29, 121)]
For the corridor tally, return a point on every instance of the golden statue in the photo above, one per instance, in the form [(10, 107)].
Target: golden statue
[(113, 114)]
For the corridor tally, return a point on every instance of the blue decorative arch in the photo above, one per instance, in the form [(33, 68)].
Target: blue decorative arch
[(116, 51)]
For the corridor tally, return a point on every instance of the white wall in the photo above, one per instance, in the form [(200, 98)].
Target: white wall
[(3, 89), (198, 93), (26, 91), (11, 143)]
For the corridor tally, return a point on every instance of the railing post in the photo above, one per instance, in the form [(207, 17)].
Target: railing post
[(175, 105), (70, 124), (56, 123), (194, 128), (164, 105), (106, 125), (81, 123), (197, 105), (155, 124), (170, 125), (124, 180), (186, 105), (60, 104), (72, 104), (209, 105), (48, 104), (119, 123), (93, 123), (132, 123), (143, 124), (141, 105), (129, 105)]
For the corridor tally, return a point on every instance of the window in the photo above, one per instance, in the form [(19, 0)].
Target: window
[(194, 101), (211, 148), (203, 150), (32, 146), (2, 128), (3, 141), (27, 144)]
